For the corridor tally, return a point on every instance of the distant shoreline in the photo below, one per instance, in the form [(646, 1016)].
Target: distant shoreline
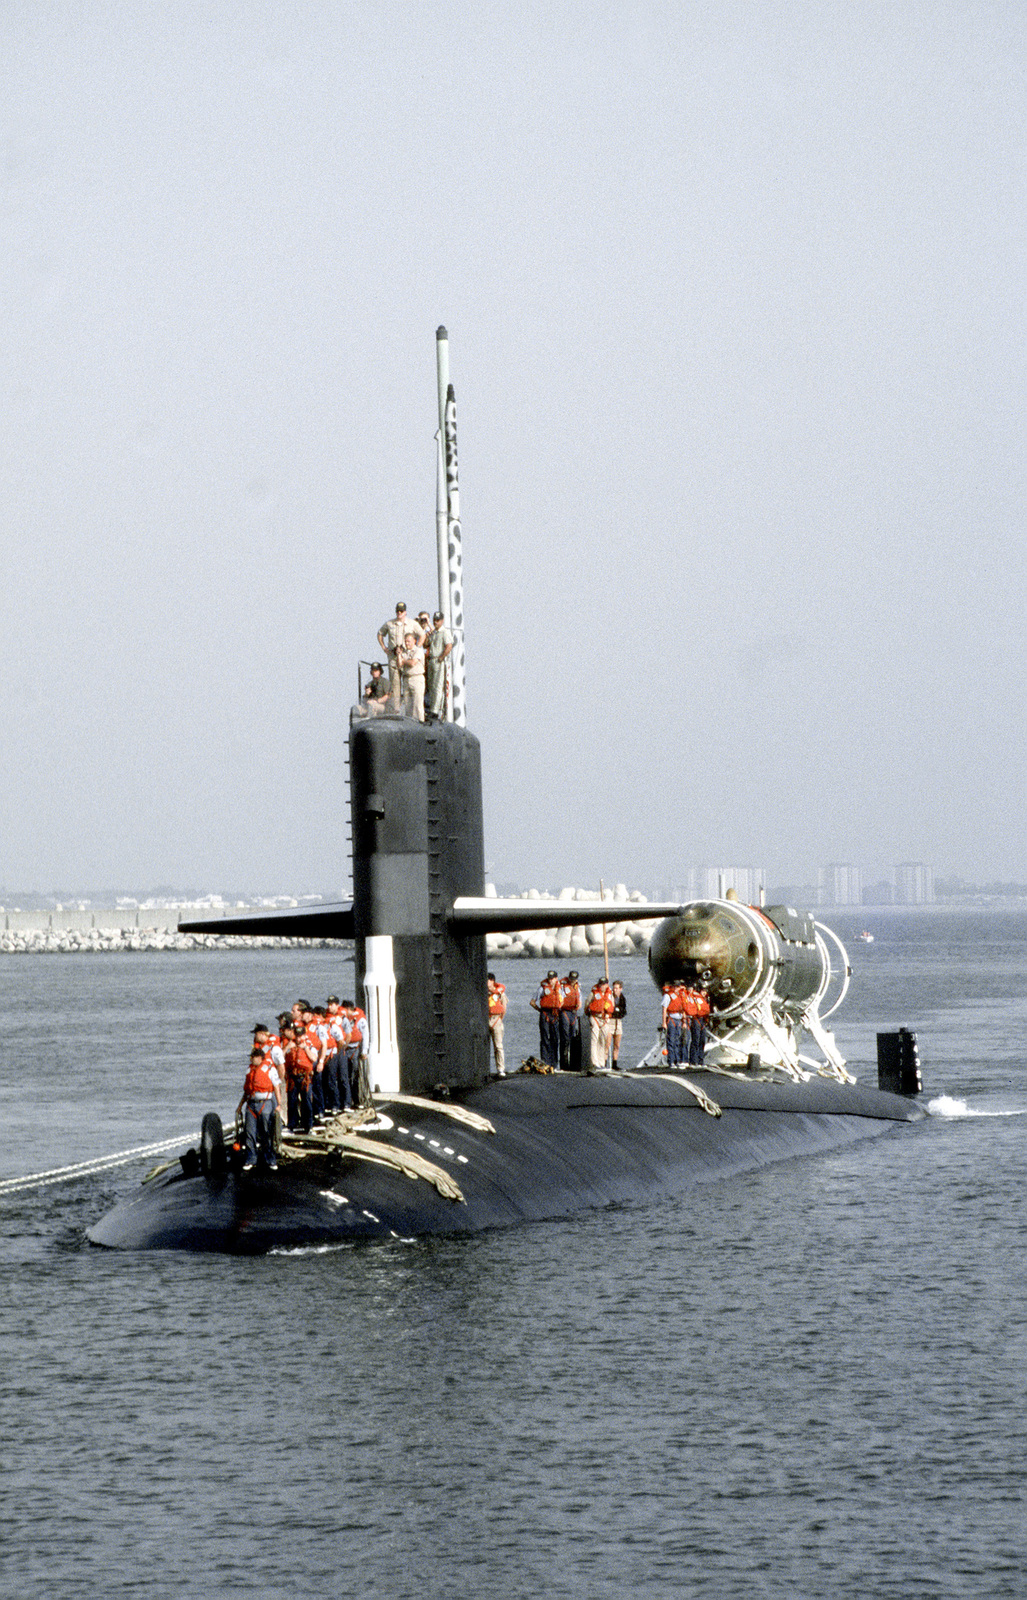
[(115, 937), (972, 903), (114, 931)]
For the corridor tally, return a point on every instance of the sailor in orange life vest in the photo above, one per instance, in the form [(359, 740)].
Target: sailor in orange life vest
[(270, 1046), (600, 1013), (262, 1097), (320, 1029), (697, 1039), (335, 1078), (497, 1011), (548, 1002), (570, 1024), (313, 1048), (356, 1051), (299, 1071), (673, 1021)]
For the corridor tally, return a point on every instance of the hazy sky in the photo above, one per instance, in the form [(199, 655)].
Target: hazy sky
[(735, 295)]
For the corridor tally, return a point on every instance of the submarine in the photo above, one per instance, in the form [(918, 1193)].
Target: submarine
[(441, 1147)]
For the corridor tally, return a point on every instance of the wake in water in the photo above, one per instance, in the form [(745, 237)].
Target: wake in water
[(946, 1106)]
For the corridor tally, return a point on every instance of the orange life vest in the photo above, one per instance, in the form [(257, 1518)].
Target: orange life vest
[(676, 1005), (571, 996), (353, 1033), (308, 1052), (497, 1001), (551, 998), (258, 1081), (300, 1067), (600, 1002)]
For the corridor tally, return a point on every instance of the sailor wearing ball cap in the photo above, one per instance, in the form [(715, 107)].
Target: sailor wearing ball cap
[(600, 1011), (548, 1002), (440, 646), (390, 639), (570, 1024)]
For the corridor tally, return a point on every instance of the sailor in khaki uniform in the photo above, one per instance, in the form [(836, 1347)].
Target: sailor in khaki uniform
[(390, 639)]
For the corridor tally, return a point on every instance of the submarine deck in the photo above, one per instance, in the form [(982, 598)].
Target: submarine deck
[(524, 1148)]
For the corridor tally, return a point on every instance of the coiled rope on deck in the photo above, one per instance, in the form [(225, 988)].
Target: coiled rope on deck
[(89, 1169), (444, 1108), (386, 1155)]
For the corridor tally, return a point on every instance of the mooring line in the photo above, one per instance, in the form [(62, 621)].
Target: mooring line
[(87, 1169)]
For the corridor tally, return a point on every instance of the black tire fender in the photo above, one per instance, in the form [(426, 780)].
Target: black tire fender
[(213, 1156)]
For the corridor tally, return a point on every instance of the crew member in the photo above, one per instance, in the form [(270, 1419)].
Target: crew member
[(322, 1103), (548, 1002), (335, 1077), (440, 647), (299, 1071), (270, 1046), (376, 691), (313, 1045), (697, 1042), (620, 1007), (391, 637), (600, 1010), (497, 1011), (262, 1097), (674, 1019), (570, 1023), (356, 1053), (411, 668)]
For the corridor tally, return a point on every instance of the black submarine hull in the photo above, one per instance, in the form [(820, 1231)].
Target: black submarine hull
[(562, 1144)]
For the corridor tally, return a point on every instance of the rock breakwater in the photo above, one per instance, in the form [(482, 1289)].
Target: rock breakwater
[(71, 941), (622, 938), (560, 944)]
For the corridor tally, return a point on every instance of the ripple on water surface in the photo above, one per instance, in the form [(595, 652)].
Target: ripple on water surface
[(807, 1381)]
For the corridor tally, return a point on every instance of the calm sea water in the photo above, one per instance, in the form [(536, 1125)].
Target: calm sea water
[(806, 1382)]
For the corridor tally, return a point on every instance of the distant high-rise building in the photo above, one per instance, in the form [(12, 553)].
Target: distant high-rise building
[(914, 884), (710, 883), (713, 882), (839, 884)]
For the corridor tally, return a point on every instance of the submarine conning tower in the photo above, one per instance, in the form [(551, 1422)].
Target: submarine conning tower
[(419, 914), (418, 844)]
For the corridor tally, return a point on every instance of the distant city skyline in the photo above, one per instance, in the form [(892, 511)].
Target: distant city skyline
[(909, 884), (732, 293)]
